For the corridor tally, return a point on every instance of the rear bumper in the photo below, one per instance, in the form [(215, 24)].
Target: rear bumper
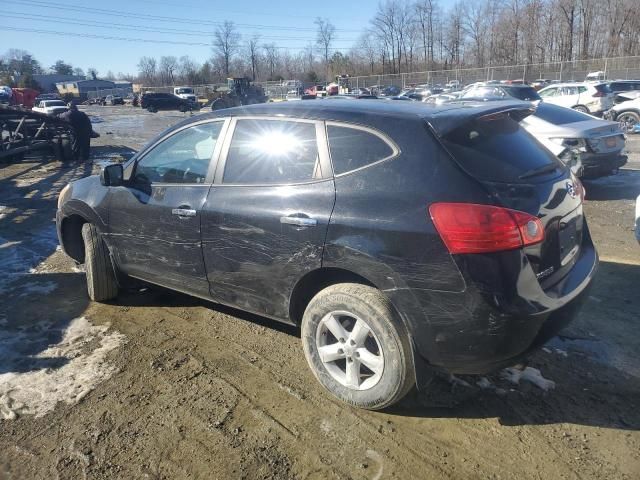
[(598, 165), (503, 314)]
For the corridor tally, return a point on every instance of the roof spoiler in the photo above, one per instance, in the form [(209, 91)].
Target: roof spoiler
[(444, 122)]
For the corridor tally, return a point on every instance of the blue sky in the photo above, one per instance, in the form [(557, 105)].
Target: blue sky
[(286, 23)]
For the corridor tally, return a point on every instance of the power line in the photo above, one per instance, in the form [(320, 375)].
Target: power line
[(125, 39), (159, 18), (121, 26)]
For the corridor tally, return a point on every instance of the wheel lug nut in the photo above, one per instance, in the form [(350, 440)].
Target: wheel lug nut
[(341, 340), (340, 351), (352, 342), (357, 355)]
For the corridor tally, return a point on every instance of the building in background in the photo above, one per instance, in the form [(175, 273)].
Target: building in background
[(84, 89), (47, 82)]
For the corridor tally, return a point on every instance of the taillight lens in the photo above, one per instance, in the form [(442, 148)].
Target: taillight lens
[(471, 228), (599, 95)]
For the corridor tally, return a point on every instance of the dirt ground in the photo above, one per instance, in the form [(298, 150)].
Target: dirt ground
[(163, 386)]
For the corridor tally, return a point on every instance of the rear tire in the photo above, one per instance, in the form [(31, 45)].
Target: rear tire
[(152, 109), (581, 108), (357, 347), (101, 279)]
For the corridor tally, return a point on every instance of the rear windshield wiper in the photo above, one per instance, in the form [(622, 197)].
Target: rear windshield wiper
[(548, 168)]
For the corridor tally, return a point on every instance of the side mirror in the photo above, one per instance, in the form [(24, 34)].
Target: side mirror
[(112, 175)]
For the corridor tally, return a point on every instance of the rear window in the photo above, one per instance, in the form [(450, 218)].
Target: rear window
[(497, 150), (528, 94), (559, 115), (353, 148)]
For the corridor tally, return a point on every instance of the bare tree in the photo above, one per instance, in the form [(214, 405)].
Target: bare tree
[(271, 54), (325, 36), (147, 70), (168, 69), (254, 55), (225, 43)]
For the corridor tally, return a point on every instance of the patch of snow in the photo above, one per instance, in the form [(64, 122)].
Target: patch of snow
[(33, 383), (529, 374)]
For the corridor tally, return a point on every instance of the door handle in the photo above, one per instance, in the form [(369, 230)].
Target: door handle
[(299, 221), (183, 212)]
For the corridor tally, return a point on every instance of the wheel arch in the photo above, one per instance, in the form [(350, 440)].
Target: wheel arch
[(71, 236), (315, 281)]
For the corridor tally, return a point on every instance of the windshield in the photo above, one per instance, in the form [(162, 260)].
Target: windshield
[(497, 149), (55, 103), (184, 90)]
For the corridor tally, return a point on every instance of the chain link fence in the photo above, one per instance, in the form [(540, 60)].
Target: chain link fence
[(621, 68)]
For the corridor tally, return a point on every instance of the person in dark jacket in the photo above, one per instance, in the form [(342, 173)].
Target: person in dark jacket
[(82, 126)]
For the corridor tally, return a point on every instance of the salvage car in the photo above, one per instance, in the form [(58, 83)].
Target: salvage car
[(594, 146), (113, 100), (587, 97), (401, 238), (627, 114), (154, 102), (50, 107)]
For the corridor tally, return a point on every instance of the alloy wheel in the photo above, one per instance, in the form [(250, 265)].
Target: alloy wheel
[(349, 350)]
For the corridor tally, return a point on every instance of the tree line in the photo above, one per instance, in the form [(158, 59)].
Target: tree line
[(405, 36), (402, 36)]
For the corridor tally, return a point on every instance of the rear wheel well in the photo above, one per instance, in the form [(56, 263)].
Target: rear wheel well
[(315, 281), (72, 237)]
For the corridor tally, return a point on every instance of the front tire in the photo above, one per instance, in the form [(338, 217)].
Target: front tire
[(357, 347), (628, 121), (101, 279), (581, 108)]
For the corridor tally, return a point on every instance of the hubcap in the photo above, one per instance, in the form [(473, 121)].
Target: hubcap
[(349, 350)]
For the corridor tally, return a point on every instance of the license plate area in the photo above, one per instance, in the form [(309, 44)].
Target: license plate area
[(570, 236)]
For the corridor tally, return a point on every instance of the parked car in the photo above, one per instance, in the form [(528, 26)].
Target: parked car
[(166, 101), (594, 147), (113, 100), (47, 96), (624, 86), (627, 114), (400, 237), (519, 92), (540, 83), (390, 91), (316, 90), (584, 97), (50, 107)]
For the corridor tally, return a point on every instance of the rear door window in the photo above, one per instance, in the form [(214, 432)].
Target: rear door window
[(352, 148), (498, 149), (264, 152), (559, 115)]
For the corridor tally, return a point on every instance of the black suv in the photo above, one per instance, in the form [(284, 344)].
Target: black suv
[(166, 101), (399, 237)]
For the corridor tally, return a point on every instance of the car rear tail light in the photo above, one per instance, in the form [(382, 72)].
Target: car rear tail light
[(472, 228), (599, 95)]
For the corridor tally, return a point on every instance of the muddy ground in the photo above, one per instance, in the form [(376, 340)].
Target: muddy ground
[(160, 385)]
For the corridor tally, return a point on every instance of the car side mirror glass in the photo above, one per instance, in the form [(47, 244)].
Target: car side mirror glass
[(112, 175)]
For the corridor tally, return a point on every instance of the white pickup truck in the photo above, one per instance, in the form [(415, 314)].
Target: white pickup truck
[(186, 93), (50, 107)]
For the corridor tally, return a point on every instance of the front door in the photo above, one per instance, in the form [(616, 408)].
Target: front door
[(154, 220), (265, 220)]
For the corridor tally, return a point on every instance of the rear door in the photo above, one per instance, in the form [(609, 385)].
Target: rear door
[(154, 220), (265, 219)]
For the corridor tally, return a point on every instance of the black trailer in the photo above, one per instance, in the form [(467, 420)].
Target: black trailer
[(23, 131)]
